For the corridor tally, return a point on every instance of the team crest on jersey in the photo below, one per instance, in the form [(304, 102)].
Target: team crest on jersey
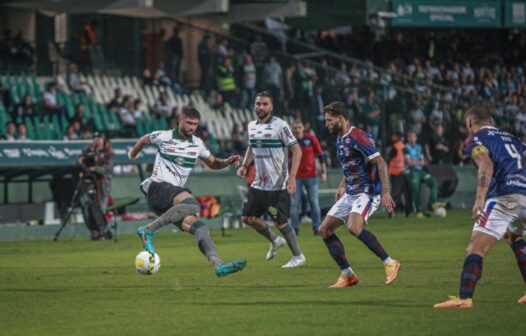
[(259, 143), (179, 161)]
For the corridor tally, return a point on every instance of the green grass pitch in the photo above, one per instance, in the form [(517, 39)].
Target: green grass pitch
[(91, 288)]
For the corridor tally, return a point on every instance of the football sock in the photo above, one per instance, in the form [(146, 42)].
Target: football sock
[(348, 271), (290, 235), (175, 214), (205, 243), (388, 261), (337, 251), (266, 231), (373, 244), (519, 248), (471, 274)]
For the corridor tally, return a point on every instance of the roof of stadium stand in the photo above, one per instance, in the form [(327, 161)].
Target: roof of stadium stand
[(223, 10)]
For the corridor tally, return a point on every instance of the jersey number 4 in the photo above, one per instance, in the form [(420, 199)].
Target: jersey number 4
[(512, 151)]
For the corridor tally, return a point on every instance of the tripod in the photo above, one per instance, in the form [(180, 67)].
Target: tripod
[(85, 196)]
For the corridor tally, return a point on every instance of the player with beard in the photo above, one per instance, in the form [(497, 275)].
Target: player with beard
[(179, 149), (364, 185), (270, 139)]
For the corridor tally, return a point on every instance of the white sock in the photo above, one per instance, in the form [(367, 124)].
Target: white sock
[(388, 261), (348, 271)]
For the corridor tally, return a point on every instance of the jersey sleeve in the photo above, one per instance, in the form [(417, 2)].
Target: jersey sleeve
[(474, 146), (204, 153), (286, 136), (362, 142), (156, 137)]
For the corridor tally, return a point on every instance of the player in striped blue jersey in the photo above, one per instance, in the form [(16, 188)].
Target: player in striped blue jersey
[(178, 151), (364, 185), (500, 204)]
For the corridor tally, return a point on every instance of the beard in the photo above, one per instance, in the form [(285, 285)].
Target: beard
[(336, 129), (262, 114)]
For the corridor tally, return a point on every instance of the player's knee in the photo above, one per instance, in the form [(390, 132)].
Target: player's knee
[(249, 220), (324, 232)]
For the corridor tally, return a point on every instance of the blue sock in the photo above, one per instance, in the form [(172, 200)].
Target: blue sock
[(471, 274), (519, 249), (373, 244), (336, 250)]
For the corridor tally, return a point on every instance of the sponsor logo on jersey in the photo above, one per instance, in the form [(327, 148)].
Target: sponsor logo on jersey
[(192, 153), (267, 135)]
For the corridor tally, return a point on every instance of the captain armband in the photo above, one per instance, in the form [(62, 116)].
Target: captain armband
[(480, 149)]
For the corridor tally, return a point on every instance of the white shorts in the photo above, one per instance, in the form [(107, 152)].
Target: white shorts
[(503, 213), (362, 204)]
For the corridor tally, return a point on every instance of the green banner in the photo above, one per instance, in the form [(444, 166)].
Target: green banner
[(515, 14), (63, 153), (444, 13)]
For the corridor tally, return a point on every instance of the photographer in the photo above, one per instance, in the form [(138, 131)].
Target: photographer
[(96, 165)]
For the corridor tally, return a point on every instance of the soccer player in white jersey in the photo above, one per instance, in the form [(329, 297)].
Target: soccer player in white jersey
[(179, 149), (270, 139)]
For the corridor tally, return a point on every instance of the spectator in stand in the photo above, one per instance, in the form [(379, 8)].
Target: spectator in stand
[(437, 150), (90, 34), (116, 101), (461, 158), (226, 83), (273, 78), (417, 116), (307, 177), (147, 78), (25, 109), (137, 112), (259, 50), (418, 175), (127, 119), (5, 97), (80, 117), (10, 129), (71, 134), (50, 101), (204, 58), (219, 102), (161, 106), (249, 82), (222, 50), (372, 114), (401, 189), (239, 140), (174, 55), (22, 132), (74, 82), (318, 115)]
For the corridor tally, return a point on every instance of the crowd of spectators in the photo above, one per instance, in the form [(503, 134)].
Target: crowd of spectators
[(16, 54)]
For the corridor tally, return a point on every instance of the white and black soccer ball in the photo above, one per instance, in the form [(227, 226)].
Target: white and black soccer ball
[(440, 212), (147, 263)]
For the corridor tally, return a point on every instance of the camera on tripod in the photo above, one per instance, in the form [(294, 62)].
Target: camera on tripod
[(89, 193)]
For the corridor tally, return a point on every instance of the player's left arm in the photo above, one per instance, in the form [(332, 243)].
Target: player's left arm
[(215, 163), (387, 200), (480, 156), (296, 158)]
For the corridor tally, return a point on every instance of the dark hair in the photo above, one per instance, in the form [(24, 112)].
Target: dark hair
[(481, 113), (337, 109), (267, 94), (191, 112)]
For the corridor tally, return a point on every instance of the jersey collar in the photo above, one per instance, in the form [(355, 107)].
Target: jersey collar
[(175, 135), (347, 134), (269, 120)]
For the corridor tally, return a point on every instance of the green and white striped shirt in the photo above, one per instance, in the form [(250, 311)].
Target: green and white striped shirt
[(176, 157), (270, 142)]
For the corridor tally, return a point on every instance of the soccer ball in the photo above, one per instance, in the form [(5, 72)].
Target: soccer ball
[(440, 212), (146, 263)]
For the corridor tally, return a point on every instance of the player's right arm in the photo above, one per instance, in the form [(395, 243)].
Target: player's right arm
[(247, 160), (143, 141), (480, 156), (341, 189)]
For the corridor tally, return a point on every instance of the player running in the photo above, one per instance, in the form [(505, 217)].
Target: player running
[(269, 138), (364, 185), (179, 149), (500, 203)]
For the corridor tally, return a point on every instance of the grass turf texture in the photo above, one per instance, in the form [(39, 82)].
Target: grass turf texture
[(91, 288)]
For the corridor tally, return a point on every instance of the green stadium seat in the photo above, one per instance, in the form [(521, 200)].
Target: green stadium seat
[(30, 128), (37, 120)]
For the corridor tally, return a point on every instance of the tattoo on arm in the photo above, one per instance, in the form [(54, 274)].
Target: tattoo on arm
[(384, 175)]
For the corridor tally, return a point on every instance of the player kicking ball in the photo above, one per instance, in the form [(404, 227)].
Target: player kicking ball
[(179, 149), (364, 186), (500, 204)]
